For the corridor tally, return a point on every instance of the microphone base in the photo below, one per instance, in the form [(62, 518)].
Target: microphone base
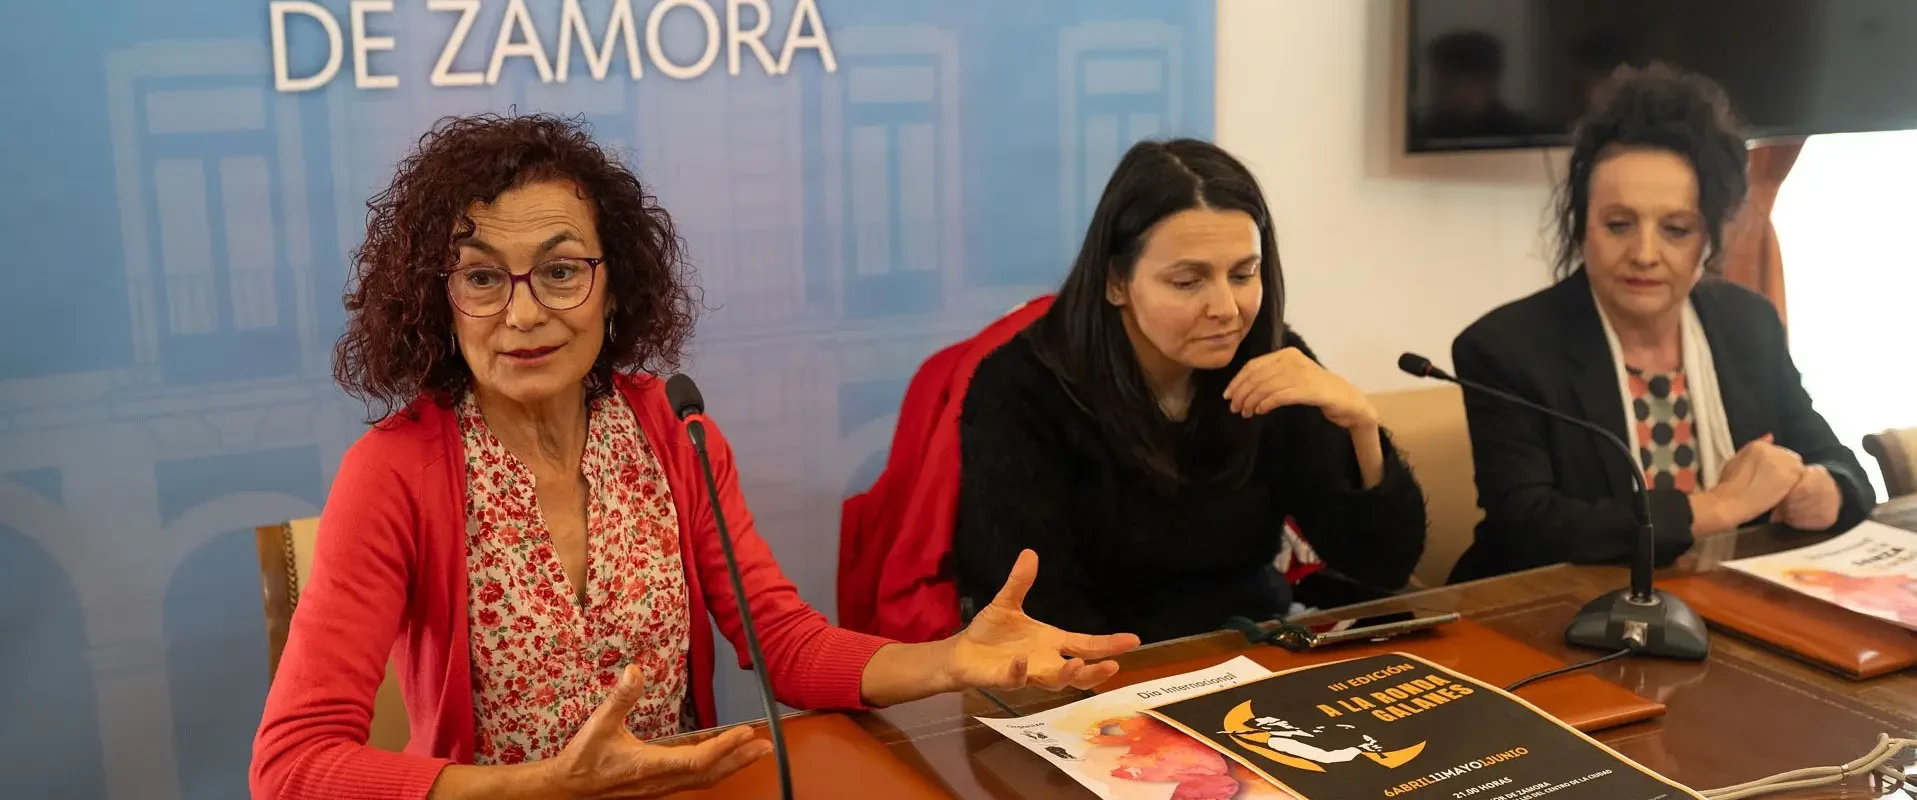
[(1667, 625)]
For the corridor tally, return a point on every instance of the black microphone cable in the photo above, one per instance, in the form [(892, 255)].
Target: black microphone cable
[(1569, 668), (689, 405)]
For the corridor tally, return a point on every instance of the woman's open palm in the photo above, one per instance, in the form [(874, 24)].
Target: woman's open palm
[(604, 759), (1005, 649)]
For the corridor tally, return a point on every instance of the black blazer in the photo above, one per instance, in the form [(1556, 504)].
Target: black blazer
[(1552, 492)]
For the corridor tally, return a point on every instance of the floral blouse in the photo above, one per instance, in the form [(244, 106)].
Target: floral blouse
[(541, 661)]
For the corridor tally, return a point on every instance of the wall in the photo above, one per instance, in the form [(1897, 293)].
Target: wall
[(1849, 275), (177, 233), (1383, 252), (1386, 253)]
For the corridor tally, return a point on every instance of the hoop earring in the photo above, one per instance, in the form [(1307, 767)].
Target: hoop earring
[(609, 328)]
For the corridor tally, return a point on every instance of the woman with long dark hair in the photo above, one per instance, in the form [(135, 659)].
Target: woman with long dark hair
[(1641, 336), (1150, 434)]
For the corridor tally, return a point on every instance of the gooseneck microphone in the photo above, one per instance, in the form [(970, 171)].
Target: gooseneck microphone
[(1642, 618), (1644, 561), (690, 407)]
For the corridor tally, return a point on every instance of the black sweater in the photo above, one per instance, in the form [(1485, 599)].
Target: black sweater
[(1552, 492), (1122, 551)]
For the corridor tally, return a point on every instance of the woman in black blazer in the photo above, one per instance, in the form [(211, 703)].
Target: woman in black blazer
[(1642, 337)]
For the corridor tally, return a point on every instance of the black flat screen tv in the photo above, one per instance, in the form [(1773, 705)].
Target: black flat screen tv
[(1488, 74)]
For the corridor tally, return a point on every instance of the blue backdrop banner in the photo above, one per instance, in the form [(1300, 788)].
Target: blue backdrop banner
[(859, 182)]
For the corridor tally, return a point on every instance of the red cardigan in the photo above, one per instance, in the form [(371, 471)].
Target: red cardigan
[(389, 579)]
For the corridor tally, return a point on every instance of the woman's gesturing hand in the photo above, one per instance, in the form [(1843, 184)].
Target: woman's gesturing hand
[(1005, 649), (605, 760)]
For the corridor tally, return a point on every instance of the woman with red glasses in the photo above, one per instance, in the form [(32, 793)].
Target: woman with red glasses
[(525, 531)]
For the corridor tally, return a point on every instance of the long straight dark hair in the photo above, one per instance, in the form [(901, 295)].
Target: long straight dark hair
[(1082, 337)]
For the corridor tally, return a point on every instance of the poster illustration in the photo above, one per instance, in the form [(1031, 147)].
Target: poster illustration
[(1397, 726), (1110, 746), (1870, 570)]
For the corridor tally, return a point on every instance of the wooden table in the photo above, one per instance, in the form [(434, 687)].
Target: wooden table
[(1744, 713)]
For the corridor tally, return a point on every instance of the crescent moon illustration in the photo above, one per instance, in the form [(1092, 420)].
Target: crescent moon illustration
[(1236, 722), (1397, 758), (1239, 719)]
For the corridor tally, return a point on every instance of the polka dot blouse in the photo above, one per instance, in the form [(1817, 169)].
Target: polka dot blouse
[(1666, 435)]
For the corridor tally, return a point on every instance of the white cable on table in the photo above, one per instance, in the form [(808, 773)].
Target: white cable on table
[(1876, 761)]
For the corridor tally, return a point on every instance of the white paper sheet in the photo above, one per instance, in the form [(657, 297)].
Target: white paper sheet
[(1870, 570)]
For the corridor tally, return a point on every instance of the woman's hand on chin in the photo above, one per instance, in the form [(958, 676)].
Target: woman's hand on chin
[(1288, 377), (1005, 649)]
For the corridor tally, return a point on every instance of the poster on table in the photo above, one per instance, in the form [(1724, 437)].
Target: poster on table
[(1870, 570), (1112, 747), (1397, 726)]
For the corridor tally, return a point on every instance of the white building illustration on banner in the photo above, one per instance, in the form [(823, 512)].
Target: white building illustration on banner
[(188, 231), (210, 173), (1118, 83), (191, 124), (892, 173)]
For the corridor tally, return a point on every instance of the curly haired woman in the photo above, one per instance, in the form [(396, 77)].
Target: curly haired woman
[(524, 532), (1641, 336)]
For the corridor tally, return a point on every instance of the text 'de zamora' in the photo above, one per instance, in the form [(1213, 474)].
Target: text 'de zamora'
[(738, 28)]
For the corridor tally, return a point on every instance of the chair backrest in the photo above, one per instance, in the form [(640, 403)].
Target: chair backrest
[(1896, 454), (286, 562), (1428, 426)]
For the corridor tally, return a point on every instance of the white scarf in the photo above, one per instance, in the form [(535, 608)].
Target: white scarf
[(1711, 428)]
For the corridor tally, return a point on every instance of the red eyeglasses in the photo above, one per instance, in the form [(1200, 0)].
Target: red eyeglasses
[(561, 284)]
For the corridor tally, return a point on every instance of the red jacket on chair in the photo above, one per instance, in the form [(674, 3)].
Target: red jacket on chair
[(895, 539)]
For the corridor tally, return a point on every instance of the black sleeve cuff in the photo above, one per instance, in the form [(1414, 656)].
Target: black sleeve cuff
[(1397, 475), (1671, 521), (1859, 497)]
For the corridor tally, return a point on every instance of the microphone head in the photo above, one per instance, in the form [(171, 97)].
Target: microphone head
[(1415, 364), (684, 396)]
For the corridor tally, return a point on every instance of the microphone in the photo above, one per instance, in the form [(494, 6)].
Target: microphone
[(690, 406), (1641, 618), (1644, 561)]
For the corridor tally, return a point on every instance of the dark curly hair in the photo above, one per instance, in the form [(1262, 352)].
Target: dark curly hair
[(398, 346), (1656, 106)]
